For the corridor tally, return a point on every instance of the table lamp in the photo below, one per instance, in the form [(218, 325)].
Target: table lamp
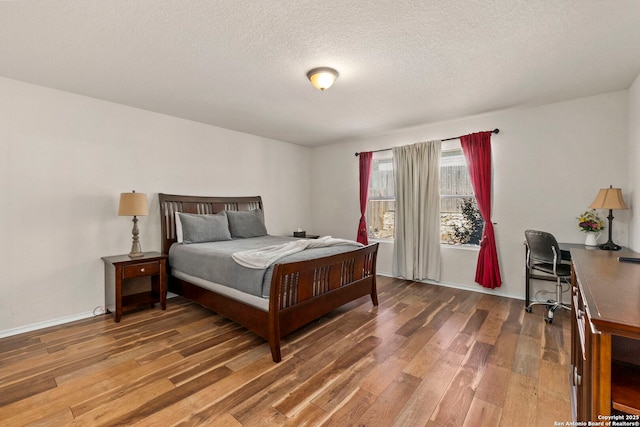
[(134, 204), (609, 198)]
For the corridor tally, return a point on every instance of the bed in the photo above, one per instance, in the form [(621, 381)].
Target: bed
[(298, 291)]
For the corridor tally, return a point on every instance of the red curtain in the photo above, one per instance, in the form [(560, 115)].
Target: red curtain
[(365, 173), (477, 152)]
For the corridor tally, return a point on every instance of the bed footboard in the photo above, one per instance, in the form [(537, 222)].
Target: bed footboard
[(303, 291)]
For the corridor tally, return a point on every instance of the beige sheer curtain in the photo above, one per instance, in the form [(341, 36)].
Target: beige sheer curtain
[(416, 250)]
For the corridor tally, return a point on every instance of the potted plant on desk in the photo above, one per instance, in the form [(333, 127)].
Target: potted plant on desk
[(592, 225)]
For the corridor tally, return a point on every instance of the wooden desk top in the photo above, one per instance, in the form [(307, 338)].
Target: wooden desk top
[(611, 289)]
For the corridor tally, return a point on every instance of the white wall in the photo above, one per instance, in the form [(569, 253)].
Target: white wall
[(66, 158), (634, 160), (549, 163), (64, 161)]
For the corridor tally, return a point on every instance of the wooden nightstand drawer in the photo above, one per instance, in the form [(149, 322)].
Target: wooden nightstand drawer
[(139, 270)]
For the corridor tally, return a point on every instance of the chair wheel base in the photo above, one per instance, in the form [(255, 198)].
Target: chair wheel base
[(548, 320)]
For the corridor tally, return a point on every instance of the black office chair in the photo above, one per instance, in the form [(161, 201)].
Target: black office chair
[(543, 254)]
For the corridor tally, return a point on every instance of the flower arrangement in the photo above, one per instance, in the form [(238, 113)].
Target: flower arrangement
[(589, 222)]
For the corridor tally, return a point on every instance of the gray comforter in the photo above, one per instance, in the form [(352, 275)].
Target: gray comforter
[(212, 261)]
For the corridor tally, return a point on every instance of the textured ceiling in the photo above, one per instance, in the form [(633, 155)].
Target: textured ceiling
[(242, 64)]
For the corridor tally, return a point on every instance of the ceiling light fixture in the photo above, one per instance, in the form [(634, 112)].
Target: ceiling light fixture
[(322, 78)]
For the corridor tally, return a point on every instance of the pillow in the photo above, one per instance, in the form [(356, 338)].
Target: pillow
[(243, 224), (204, 228), (178, 228)]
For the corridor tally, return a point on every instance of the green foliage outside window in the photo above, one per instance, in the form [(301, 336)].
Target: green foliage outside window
[(464, 228)]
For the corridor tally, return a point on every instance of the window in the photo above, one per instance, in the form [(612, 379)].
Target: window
[(460, 220), (381, 207)]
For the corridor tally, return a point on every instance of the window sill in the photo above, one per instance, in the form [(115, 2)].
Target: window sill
[(442, 245), (380, 240), (462, 247)]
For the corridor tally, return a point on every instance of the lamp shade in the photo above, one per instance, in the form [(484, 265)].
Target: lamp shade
[(133, 204), (322, 78), (609, 198)]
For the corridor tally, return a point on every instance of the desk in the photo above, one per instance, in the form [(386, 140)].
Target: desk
[(565, 254), (605, 335)]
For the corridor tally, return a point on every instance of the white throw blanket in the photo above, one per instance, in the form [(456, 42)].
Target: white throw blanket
[(264, 257)]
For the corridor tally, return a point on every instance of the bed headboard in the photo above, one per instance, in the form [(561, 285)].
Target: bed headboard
[(170, 204)]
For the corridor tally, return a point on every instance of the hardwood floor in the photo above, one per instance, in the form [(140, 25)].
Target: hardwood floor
[(427, 356)]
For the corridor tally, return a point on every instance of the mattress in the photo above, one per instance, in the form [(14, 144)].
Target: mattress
[(212, 262)]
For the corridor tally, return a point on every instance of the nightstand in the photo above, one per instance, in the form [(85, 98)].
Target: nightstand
[(307, 236), (122, 272)]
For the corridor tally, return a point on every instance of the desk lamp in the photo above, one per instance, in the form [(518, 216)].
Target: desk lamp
[(609, 198), (134, 204)]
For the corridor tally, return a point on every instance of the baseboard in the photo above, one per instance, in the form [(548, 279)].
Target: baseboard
[(98, 311), (47, 324), (82, 316), (477, 288)]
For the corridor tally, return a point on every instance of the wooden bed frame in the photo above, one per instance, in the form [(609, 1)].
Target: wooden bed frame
[(300, 291)]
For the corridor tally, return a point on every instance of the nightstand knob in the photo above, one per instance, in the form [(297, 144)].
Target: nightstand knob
[(142, 270)]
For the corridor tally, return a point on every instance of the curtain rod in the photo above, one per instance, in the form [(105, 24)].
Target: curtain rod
[(446, 139)]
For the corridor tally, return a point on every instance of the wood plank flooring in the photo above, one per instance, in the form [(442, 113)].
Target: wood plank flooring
[(427, 356)]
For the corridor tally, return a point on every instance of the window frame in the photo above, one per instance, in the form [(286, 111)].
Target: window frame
[(447, 146), (377, 156)]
